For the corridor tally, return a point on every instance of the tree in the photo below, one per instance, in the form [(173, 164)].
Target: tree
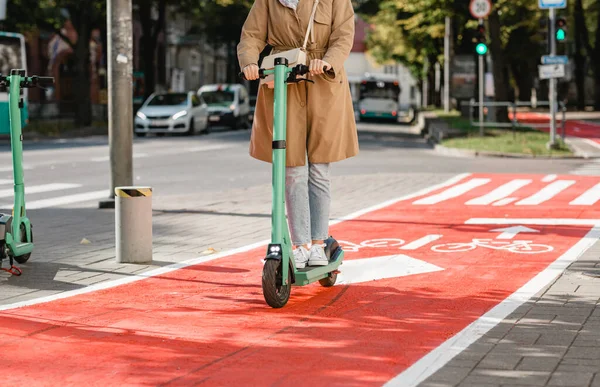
[(50, 15), (151, 30)]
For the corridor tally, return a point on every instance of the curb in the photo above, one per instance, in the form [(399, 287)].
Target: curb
[(472, 153)]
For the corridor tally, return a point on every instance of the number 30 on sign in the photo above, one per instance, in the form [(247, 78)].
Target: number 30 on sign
[(480, 9)]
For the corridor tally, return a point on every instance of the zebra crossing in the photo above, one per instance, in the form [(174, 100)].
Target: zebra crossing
[(590, 168), (502, 190), (48, 195)]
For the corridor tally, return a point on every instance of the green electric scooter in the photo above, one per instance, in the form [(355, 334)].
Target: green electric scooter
[(16, 235), (279, 270)]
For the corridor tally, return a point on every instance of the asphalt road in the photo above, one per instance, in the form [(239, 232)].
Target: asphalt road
[(79, 168)]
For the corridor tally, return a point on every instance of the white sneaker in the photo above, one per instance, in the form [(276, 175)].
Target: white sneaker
[(317, 256), (300, 257)]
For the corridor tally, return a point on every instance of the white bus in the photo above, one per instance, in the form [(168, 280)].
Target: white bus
[(12, 56), (379, 97)]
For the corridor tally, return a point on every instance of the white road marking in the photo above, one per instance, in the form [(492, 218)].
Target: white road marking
[(10, 169), (414, 245), (511, 232), (546, 193), (203, 259), (453, 192), (499, 193), (504, 201), (391, 266), (4, 193), (588, 198), (63, 200), (549, 178)]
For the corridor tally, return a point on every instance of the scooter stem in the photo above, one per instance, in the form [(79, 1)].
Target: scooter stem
[(16, 140)]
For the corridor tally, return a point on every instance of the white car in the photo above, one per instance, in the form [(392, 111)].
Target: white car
[(172, 113), (228, 105)]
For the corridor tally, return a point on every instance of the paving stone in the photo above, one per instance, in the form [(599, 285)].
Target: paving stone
[(547, 364), (571, 379), (530, 378), (583, 353), (499, 361)]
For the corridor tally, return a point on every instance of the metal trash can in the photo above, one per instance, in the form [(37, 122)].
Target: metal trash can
[(133, 224)]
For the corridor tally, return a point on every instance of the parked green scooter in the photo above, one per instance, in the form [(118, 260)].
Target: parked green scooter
[(279, 270), (16, 235)]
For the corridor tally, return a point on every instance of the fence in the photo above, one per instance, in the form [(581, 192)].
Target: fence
[(514, 123)]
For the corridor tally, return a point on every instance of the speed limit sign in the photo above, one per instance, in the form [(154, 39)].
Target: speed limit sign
[(480, 9)]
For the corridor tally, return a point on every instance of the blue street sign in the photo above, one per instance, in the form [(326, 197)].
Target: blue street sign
[(547, 4), (555, 59)]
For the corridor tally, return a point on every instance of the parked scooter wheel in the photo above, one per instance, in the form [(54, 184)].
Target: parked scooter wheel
[(22, 238), (276, 294)]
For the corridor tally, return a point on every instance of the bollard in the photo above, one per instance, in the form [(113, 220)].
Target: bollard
[(133, 224)]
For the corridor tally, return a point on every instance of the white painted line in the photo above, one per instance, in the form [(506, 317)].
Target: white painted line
[(536, 221), (4, 193), (588, 198), (453, 192), (6, 181), (591, 142), (549, 178), (437, 358), (392, 266), (10, 169), (63, 200), (421, 242), (546, 193), (499, 193), (208, 147), (504, 201), (199, 260)]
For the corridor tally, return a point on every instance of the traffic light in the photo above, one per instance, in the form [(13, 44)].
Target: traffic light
[(481, 47), (561, 29)]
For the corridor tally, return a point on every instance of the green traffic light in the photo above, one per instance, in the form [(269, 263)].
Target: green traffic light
[(560, 35), (481, 48)]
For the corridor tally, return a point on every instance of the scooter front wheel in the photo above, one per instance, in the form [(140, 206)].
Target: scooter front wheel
[(275, 292)]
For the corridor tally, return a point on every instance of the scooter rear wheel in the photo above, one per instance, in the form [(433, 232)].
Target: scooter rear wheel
[(276, 294), (329, 281)]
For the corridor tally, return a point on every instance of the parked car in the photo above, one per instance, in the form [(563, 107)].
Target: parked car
[(228, 105), (172, 113)]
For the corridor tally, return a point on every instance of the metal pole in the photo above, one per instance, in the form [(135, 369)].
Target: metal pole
[(481, 86), (120, 97), (425, 83), (447, 66), (552, 91)]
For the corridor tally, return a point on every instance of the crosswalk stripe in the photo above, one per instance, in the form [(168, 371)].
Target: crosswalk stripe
[(588, 198), (453, 192), (62, 200), (549, 178), (5, 181), (504, 201), (499, 193), (4, 193), (546, 193)]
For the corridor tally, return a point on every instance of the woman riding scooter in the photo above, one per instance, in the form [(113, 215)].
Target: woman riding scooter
[(320, 121)]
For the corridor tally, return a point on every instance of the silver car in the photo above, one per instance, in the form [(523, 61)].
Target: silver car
[(172, 113)]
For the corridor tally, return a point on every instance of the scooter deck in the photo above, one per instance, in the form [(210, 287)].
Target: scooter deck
[(312, 274)]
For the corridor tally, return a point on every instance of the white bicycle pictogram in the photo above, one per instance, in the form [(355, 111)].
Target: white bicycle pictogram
[(517, 246), (373, 243)]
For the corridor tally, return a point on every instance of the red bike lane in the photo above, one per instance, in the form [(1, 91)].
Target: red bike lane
[(575, 128), (455, 254)]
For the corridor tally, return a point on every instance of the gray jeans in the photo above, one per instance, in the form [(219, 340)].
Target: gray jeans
[(307, 201)]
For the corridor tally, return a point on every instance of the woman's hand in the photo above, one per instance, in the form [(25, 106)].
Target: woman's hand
[(316, 66), (251, 72)]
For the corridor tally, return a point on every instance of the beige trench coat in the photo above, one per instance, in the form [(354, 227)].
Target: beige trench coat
[(320, 116)]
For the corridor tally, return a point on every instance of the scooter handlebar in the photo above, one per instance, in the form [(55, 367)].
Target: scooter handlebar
[(302, 70), (43, 81)]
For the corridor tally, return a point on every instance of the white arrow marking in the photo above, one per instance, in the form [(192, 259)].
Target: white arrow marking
[(370, 269), (511, 232)]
